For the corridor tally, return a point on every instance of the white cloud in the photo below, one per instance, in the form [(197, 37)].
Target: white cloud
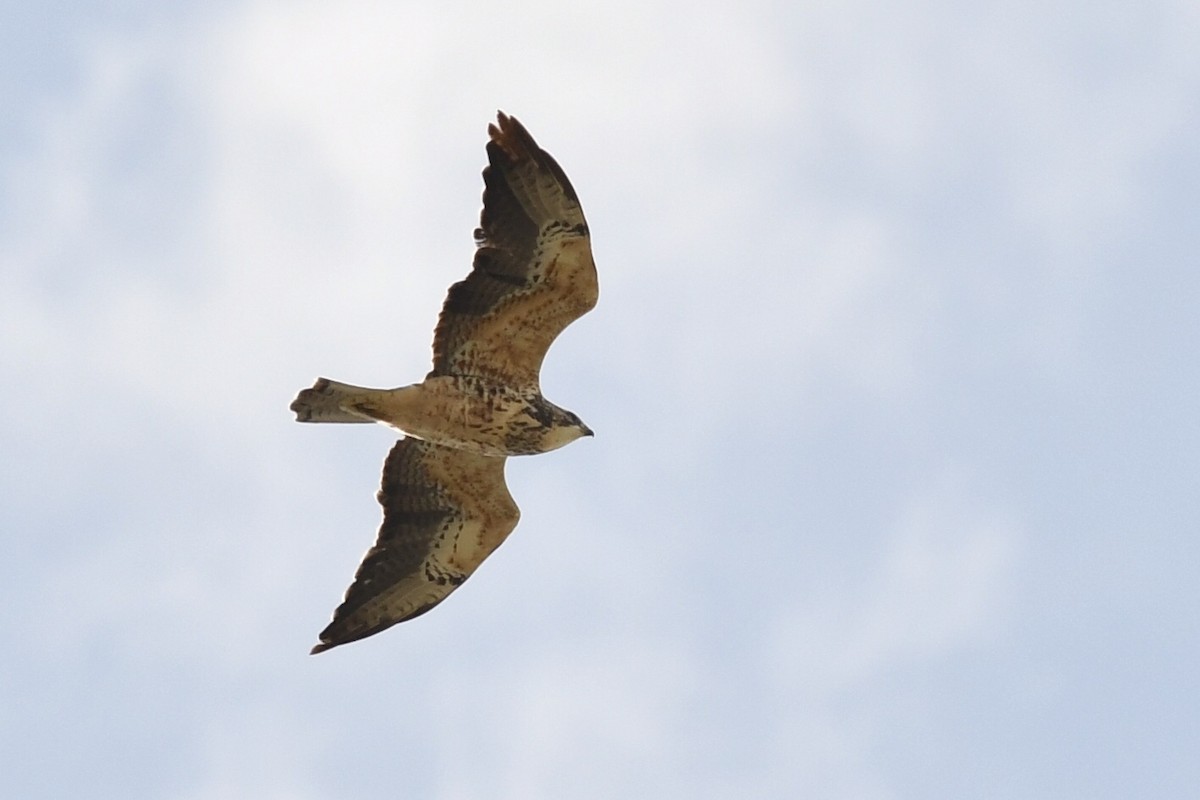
[(940, 583), (257, 749), (588, 717)]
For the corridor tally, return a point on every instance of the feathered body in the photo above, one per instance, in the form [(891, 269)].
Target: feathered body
[(460, 411)]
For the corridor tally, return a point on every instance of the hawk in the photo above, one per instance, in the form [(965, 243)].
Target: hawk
[(446, 506)]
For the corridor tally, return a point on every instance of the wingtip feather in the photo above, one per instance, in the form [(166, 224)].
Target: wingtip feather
[(512, 137)]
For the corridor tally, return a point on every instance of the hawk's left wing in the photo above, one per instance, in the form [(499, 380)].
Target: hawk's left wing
[(533, 273), (444, 512)]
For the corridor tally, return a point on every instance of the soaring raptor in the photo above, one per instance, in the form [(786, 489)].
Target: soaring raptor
[(446, 506)]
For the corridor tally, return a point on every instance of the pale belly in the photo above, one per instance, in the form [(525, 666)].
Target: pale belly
[(463, 413)]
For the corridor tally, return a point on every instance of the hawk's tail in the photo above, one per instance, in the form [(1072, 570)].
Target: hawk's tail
[(330, 401)]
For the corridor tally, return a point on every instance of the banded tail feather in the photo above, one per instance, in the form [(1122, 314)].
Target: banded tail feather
[(330, 401)]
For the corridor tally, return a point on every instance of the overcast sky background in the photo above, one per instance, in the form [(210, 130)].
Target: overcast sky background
[(894, 377)]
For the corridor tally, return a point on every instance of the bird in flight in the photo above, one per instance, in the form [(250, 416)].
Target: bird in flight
[(446, 506)]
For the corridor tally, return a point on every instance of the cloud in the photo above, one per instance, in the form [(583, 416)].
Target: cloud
[(588, 716), (941, 580), (847, 260), (940, 583)]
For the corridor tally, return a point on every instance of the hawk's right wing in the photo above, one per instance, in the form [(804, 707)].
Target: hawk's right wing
[(444, 512)]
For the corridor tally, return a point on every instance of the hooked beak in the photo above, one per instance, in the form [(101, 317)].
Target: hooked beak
[(587, 431)]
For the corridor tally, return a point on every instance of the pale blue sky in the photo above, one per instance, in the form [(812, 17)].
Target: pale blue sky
[(894, 377)]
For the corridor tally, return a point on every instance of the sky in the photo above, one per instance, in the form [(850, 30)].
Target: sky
[(894, 377)]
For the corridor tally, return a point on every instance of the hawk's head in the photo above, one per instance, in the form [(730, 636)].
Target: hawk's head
[(557, 426)]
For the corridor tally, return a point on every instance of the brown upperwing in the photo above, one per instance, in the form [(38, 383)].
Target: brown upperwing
[(533, 272), (444, 512)]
